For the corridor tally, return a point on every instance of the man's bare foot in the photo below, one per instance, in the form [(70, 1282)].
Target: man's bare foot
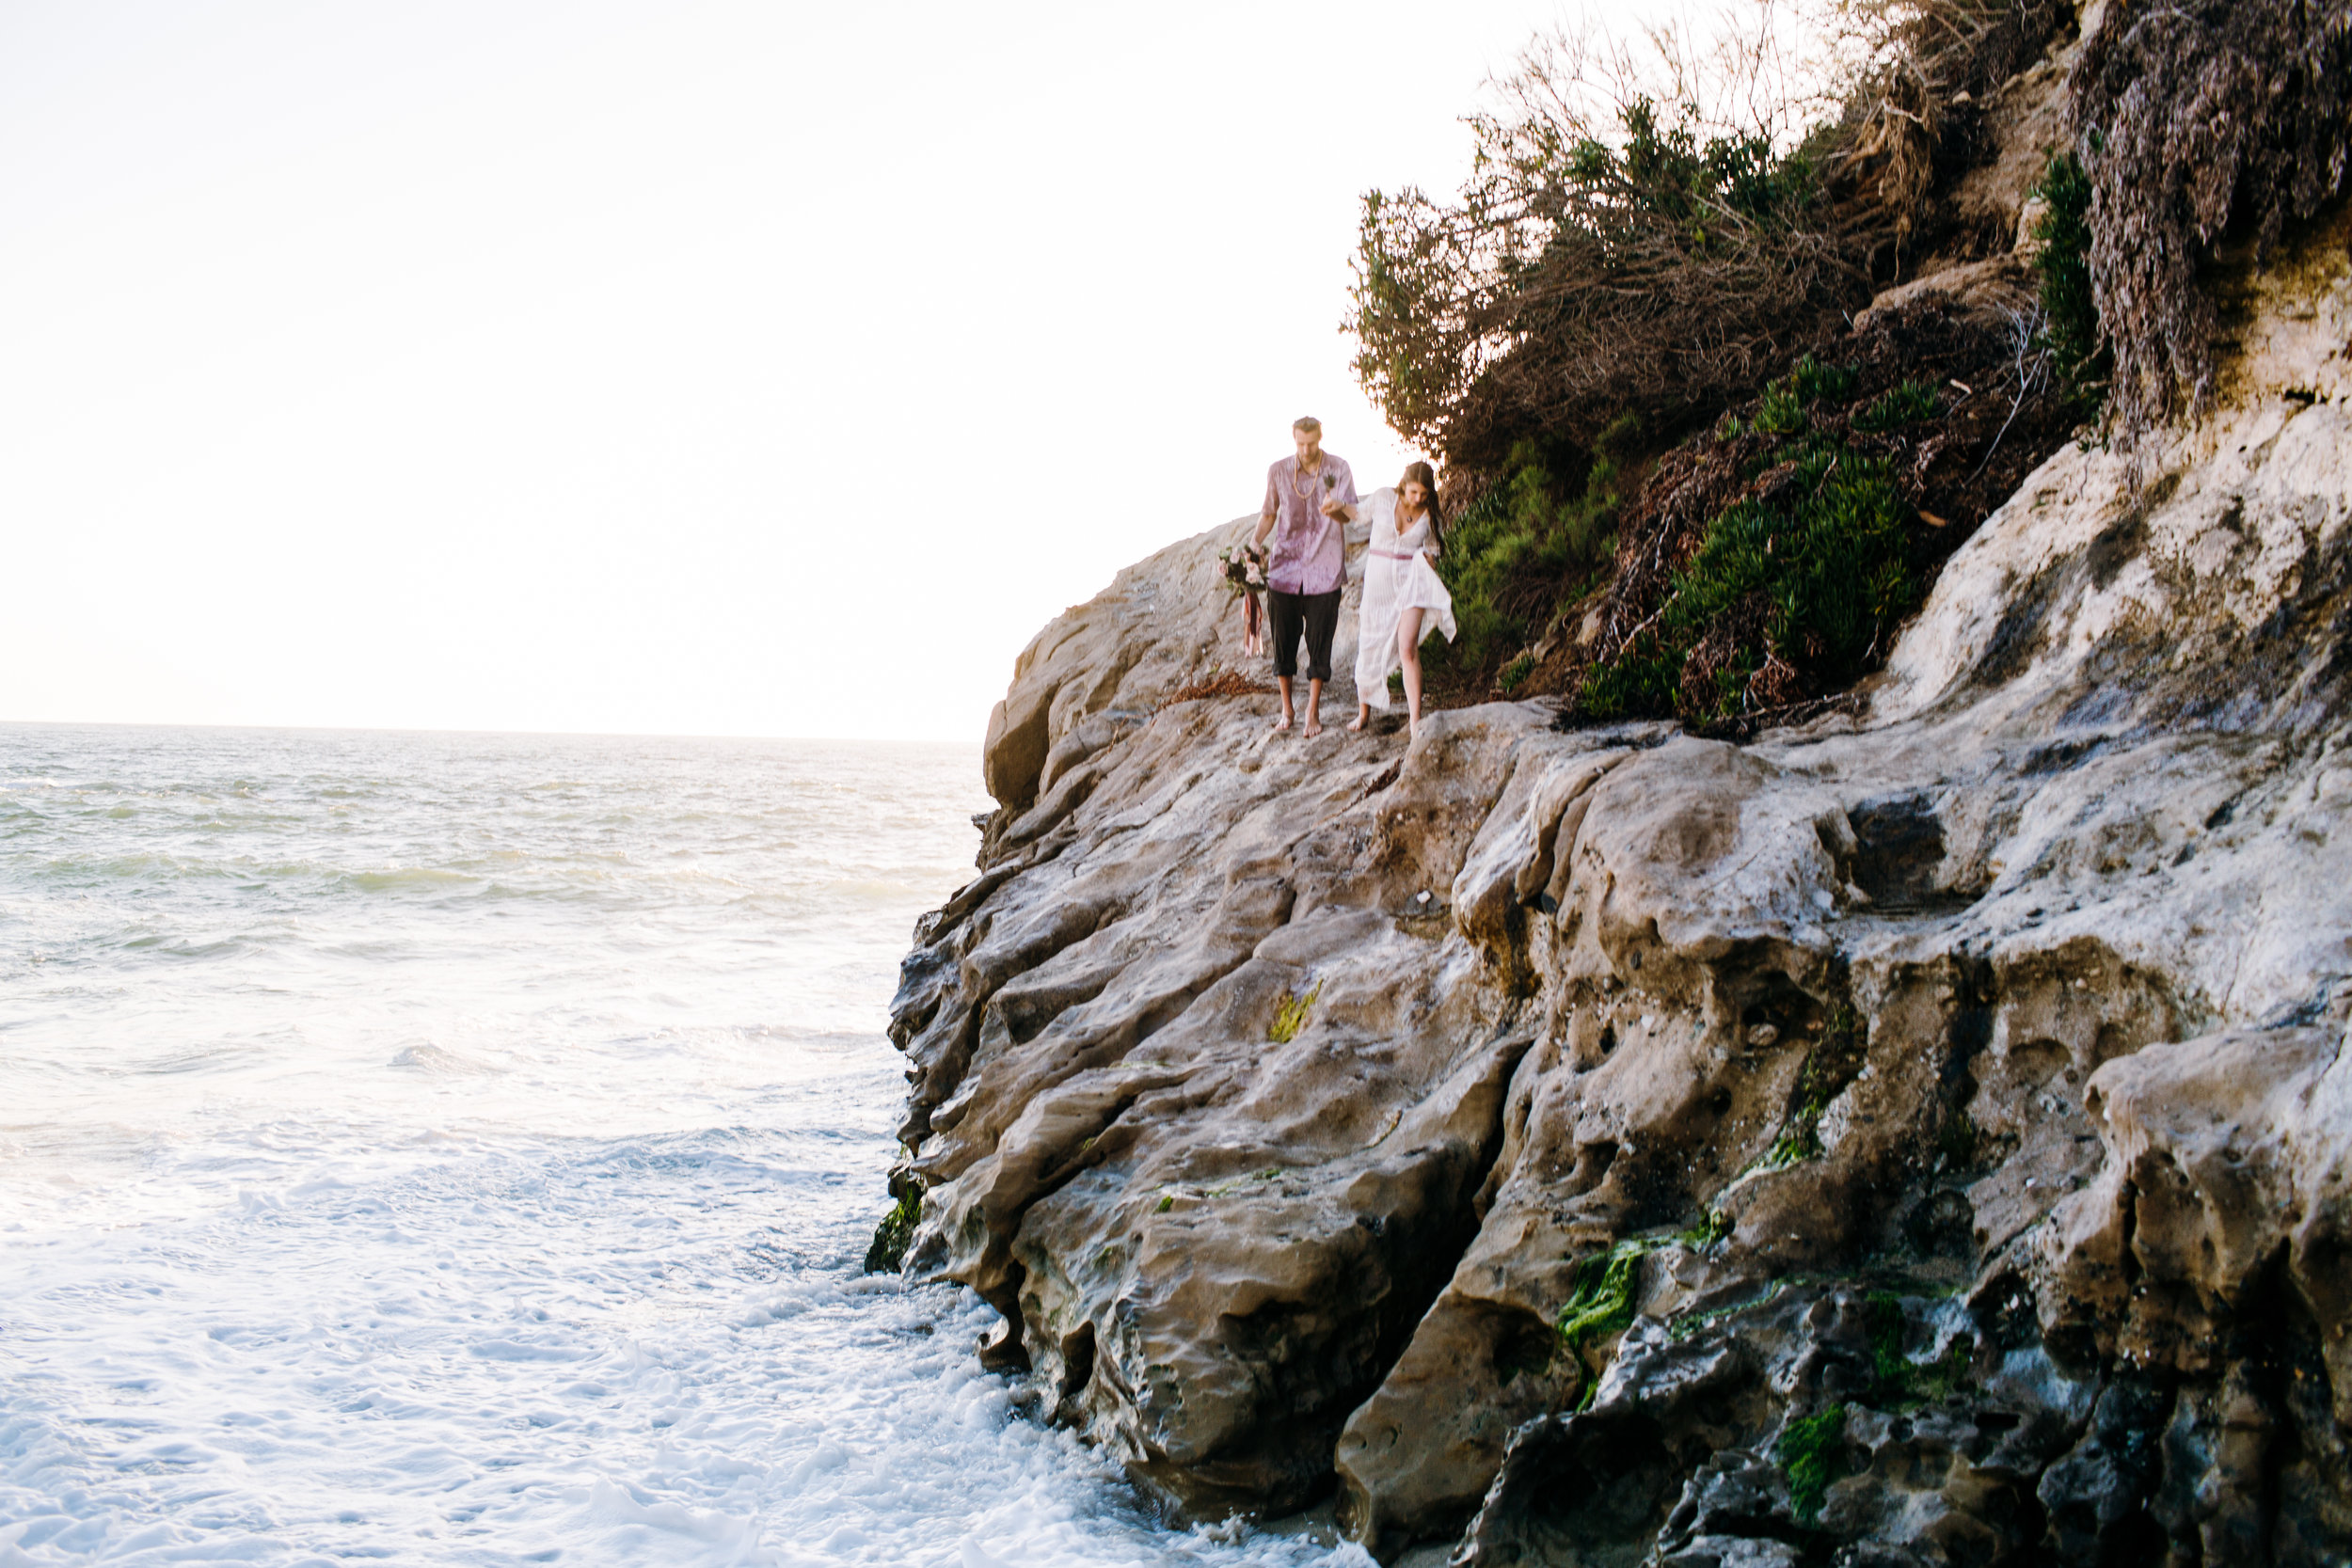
[(1283, 723), (1312, 729)]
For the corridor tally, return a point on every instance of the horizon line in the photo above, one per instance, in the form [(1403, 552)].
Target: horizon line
[(421, 729)]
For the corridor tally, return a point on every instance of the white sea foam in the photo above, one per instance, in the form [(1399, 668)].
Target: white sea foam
[(460, 1150)]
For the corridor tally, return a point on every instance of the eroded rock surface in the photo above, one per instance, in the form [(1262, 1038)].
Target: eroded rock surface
[(1923, 1138)]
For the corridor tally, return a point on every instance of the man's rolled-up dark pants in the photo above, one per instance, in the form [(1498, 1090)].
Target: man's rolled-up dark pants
[(1317, 615)]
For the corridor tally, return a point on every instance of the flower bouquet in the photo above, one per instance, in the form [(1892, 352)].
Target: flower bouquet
[(1244, 569)]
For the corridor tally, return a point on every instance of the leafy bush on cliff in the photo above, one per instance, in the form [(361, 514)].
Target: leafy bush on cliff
[(1643, 259), (1529, 539), (1793, 586), (1767, 562), (1662, 235), (2069, 306), (1653, 239)]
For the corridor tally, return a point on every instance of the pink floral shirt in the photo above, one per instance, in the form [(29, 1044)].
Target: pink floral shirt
[(1307, 557)]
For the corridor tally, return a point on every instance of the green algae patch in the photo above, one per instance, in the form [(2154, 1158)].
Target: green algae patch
[(1602, 1302), (1692, 1322), (1900, 1383), (1812, 1450), (887, 1252), (1714, 1227), (1830, 1066)]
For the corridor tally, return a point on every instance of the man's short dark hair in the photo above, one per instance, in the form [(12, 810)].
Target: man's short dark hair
[(1308, 423)]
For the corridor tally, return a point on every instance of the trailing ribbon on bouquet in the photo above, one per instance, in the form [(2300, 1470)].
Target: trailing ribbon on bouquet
[(1242, 567)]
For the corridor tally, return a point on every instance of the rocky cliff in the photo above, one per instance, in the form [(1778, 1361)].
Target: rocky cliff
[(1924, 1137)]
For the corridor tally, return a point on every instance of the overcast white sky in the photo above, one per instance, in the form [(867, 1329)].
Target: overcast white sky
[(720, 368)]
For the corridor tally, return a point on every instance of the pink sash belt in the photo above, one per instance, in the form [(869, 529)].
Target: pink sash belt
[(1392, 555)]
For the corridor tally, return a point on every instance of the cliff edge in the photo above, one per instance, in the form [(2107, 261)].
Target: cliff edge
[(1923, 1137)]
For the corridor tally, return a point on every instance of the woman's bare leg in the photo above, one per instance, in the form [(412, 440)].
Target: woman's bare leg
[(1408, 652), (1363, 715)]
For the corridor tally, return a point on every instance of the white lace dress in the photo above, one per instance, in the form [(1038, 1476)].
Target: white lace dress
[(1398, 577)]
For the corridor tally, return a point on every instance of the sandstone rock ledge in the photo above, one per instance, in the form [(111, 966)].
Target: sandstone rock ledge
[(1926, 1140)]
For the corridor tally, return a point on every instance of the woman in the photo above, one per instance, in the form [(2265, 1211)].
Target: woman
[(1402, 595)]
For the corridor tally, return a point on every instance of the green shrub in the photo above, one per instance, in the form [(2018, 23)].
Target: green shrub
[(1905, 404), (1511, 553), (1515, 673), (1604, 256), (1816, 577), (2070, 311), (1780, 412), (1812, 381)]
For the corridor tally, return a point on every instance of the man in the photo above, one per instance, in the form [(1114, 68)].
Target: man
[(1313, 497)]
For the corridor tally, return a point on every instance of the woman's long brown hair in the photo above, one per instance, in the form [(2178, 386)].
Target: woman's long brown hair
[(1418, 473)]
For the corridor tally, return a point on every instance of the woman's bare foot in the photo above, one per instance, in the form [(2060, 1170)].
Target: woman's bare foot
[(1358, 722), (1413, 731)]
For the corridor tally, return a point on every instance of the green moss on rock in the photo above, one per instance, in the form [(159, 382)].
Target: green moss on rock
[(887, 1252)]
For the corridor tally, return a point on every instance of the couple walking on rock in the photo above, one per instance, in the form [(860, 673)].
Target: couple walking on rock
[(1309, 500)]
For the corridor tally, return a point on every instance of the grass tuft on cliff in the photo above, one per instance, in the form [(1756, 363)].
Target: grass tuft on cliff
[(1290, 1017)]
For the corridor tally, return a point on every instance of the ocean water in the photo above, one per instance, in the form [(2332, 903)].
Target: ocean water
[(445, 1149)]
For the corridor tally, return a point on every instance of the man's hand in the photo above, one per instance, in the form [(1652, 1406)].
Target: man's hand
[(1333, 509)]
